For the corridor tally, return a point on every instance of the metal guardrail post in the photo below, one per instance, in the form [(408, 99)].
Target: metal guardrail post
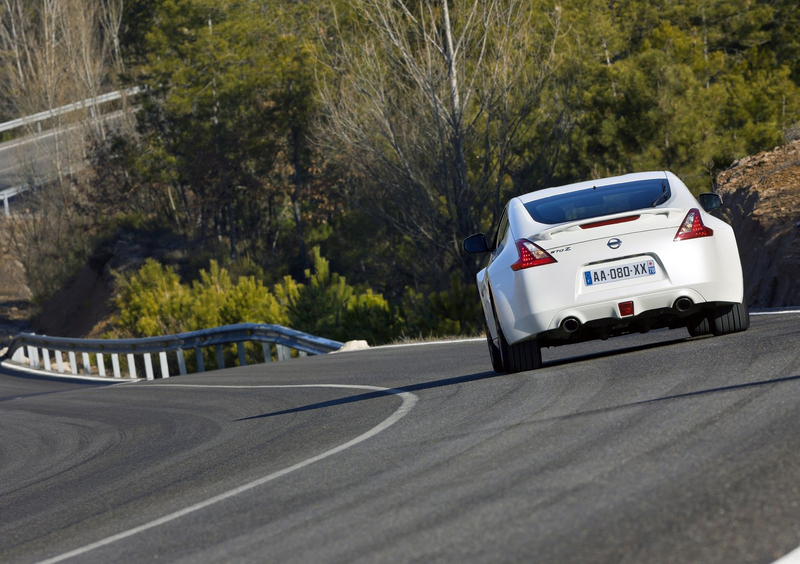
[(132, 366), (220, 356), (181, 362), (282, 352), (148, 366), (201, 365), (240, 352), (162, 359)]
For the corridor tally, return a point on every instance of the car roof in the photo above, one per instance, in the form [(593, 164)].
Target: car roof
[(546, 192)]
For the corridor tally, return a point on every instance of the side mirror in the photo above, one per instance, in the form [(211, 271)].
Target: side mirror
[(710, 201), (476, 243)]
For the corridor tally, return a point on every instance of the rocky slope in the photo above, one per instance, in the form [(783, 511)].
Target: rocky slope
[(761, 196)]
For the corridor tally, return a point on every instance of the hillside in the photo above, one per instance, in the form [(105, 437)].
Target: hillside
[(761, 195)]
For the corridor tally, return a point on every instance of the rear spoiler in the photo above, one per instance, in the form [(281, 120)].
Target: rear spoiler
[(572, 226)]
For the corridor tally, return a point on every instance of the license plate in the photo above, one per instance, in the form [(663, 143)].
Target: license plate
[(617, 273)]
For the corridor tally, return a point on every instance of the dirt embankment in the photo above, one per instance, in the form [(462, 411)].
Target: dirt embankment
[(83, 307), (15, 306), (761, 197)]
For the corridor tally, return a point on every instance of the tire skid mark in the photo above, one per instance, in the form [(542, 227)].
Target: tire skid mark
[(409, 401)]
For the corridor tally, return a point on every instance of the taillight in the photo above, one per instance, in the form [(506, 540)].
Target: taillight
[(530, 254), (692, 227)]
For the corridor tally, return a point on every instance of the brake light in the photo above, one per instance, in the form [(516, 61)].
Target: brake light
[(610, 222), (531, 254), (692, 227)]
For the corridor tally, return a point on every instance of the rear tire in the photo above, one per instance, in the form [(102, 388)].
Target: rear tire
[(731, 318), (519, 357), (699, 326), (494, 352)]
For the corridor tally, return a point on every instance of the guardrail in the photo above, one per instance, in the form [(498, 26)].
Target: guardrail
[(128, 353), (89, 103), (9, 193)]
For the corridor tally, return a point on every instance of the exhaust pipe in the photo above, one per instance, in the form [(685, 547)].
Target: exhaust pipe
[(683, 304), (570, 324)]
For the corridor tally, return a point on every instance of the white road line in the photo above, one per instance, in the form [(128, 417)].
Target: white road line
[(777, 312), (409, 400), (65, 375), (450, 342), (792, 558)]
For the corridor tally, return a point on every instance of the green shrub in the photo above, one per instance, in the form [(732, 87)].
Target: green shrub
[(250, 302), (329, 307), (209, 295), (317, 307), (369, 316), (153, 301), (456, 311)]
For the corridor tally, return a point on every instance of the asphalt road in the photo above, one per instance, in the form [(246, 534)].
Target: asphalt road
[(21, 159), (650, 448), (32, 156)]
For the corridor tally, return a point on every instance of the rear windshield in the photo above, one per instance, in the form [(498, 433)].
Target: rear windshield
[(599, 201)]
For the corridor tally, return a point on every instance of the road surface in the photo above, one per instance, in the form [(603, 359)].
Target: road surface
[(648, 448)]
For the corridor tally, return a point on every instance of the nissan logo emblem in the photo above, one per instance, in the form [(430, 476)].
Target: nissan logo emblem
[(614, 243)]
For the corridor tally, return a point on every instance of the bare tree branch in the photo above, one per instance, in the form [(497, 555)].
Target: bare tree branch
[(428, 101)]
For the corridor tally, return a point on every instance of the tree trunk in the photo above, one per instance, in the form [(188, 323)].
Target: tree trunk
[(298, 185), (460, 197), (232, 231)]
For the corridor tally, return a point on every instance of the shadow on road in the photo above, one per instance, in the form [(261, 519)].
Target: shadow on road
[(382, 393), (617, 352), (553, 363)]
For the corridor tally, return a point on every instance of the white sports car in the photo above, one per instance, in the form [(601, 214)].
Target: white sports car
[(603, 258)]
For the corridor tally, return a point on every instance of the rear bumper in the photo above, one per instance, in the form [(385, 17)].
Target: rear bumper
[(528, 323), (610, 309)]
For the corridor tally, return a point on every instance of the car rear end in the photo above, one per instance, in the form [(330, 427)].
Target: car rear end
[(637, 268)]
